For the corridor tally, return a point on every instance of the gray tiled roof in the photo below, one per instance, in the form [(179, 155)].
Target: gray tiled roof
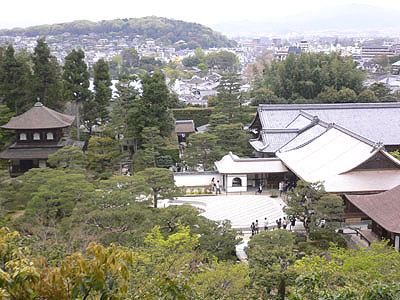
[(39, 117), (375, 121)]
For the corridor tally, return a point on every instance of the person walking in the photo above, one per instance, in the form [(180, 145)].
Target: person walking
[(260, 187), (280, 188), (256, 227), (279, 223), (218, 191), (253, 228), (213, 184), (292, 223), (284, 223), (265, 224)]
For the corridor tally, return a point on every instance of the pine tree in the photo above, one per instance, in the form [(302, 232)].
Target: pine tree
[(15, 76), (46, 76), (95, 111), (152, 109), (76, 81)]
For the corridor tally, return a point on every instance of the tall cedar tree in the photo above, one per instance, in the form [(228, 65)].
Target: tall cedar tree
[(15, 76), (152, 109), (46, 76), (76, 81), (95, 111)]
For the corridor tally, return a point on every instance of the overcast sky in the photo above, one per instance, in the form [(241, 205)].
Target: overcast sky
[(22, 13)]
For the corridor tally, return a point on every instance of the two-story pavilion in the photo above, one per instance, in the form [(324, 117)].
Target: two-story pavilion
[(40, 132)]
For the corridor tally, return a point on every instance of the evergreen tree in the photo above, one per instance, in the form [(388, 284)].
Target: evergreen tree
[(76, 82), (152, 108), (46, 76), (95, 109), (15, 78)]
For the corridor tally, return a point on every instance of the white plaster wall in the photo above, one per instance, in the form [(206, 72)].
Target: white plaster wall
[(196, 179), (242, 188)]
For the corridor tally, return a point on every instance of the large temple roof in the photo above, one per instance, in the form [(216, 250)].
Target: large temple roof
[(345, 161), (375, 121), (39, 117)]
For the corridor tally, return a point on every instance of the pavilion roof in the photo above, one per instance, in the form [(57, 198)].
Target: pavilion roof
[(233, 164), (383, 208), (184, 126), (39, 117)]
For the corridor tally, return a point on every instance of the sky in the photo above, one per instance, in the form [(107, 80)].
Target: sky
[(23, 13)]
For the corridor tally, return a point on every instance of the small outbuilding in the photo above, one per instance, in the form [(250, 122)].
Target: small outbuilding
[(244, 174)]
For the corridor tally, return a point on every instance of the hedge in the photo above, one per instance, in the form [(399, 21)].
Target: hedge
[(199, 115)]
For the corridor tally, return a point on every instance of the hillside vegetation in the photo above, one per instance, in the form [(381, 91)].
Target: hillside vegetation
[(166, 30)]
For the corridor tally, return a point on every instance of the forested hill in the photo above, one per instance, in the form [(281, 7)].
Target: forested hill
[(166, 30)]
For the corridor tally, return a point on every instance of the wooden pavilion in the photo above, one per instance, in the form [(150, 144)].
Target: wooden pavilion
[(40, 132)]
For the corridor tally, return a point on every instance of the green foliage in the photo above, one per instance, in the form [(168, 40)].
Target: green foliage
[(300, 201), (5, 135), (47, 80), (310, 74), (370, 273), (202, 151), (223, 61), (232, 137), (200, 116), (270, 254), (396, 154), (166, 30), (69, 158), (161, 183), (151, 109), (103, 154), (15, 80), (56, 198)]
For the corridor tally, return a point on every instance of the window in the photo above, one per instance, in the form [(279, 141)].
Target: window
[(36, 136), (23, 137), (237, 181), (49, 136)]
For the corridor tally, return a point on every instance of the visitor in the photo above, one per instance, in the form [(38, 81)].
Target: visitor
[(260, 187), (218, 188), (213, 184), (256, 227), (284, 223), (279, 223), (292, 223), (253, 228), (280, 188), (265, 224)]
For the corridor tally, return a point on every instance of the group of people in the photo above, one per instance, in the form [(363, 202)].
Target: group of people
[(255, 229), (285, 222), (215, 186), (280, 223), (285, 186)]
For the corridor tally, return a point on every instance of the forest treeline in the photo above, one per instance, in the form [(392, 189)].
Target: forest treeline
[(316, 78), (167, 31)]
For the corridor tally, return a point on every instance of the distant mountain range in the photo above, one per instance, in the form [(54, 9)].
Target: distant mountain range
[(343, 18), (165, 30)]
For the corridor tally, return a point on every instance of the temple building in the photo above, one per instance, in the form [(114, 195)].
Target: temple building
[(277, 124), (40, 132)]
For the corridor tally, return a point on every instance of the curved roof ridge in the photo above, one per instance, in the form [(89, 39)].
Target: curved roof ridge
[(328, 106), (39, 117)]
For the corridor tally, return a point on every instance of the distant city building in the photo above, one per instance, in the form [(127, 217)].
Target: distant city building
[(368, 52)]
